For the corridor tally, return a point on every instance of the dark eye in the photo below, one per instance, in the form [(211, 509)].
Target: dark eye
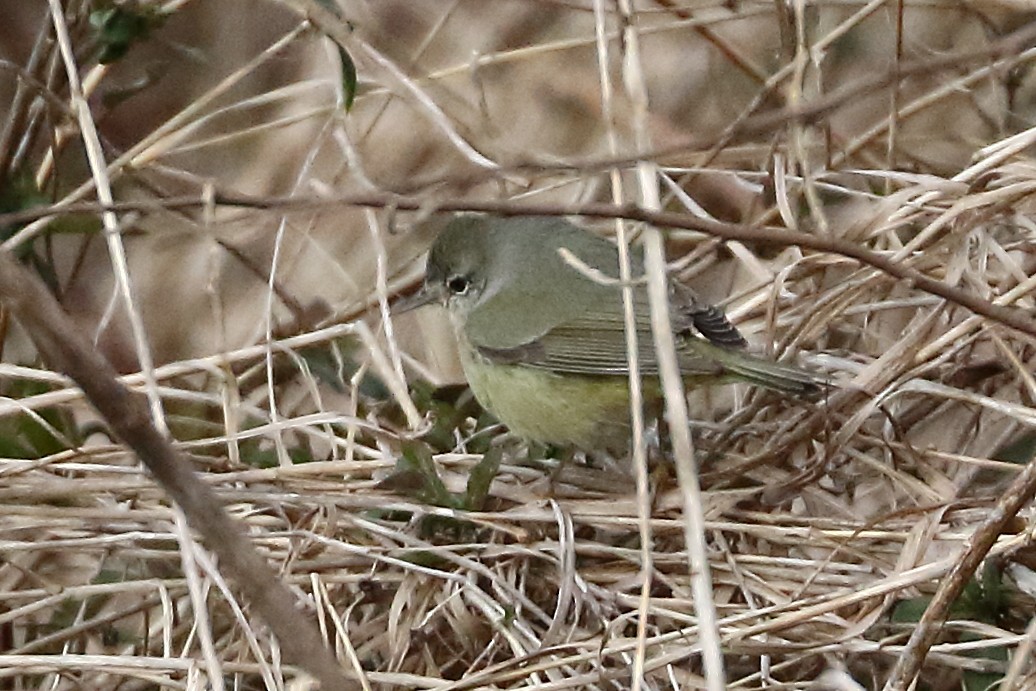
[(458, 285)]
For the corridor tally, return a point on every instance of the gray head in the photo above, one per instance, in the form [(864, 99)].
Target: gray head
[(459, 264), (474, 257)]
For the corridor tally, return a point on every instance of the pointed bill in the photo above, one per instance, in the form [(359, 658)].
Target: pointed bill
[(425, 295)]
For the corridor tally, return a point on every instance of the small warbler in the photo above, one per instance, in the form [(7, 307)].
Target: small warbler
[(538, 313)]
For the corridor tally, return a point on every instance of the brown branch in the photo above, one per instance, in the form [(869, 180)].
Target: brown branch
[(1009, 316), (127, 413), (1020, 493), (1012, 317)]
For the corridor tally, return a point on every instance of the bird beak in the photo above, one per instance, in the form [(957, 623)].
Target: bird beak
[(425, 295)]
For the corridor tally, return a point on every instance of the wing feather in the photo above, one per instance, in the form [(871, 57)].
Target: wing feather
[(595, 345)]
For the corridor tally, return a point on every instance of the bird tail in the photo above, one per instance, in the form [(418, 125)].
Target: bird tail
[(741, 366)]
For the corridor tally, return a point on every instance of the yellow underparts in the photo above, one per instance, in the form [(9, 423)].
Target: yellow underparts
[(571, 410)]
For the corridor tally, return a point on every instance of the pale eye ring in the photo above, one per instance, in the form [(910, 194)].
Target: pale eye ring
[(458, 285)]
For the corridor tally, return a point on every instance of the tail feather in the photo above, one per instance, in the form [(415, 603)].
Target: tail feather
[(741, 366)]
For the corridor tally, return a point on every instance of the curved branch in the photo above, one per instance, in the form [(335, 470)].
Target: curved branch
[(1012, 317)]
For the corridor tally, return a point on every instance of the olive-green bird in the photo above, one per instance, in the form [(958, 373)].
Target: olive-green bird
[(542, 340)]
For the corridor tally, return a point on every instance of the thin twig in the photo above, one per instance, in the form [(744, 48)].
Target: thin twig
[(676, 413), (638, 446), (124, 291), (1015, 318)]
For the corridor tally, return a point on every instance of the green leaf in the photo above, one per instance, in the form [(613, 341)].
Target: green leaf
[(415, 476), (983, 681), (910, 611), (19, 194), (980, 681), (253, 455), (118, 27), (348, 66), (426, 558), (28, 436), (481, 478), (348, 78), (1019, 450), (450, 407), (335, 364), (983, 599)]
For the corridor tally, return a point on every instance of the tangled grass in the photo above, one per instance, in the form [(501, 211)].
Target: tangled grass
[(432, 554)]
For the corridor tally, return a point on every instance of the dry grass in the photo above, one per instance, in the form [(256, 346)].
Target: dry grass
[(819, 517)]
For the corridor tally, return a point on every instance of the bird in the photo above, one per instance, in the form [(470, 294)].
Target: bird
[(537, 309)]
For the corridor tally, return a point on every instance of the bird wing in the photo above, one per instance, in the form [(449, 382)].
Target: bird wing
[(594, 344), (579, 330)]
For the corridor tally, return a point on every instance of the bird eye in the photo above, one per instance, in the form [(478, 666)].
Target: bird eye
[(458, 285)]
